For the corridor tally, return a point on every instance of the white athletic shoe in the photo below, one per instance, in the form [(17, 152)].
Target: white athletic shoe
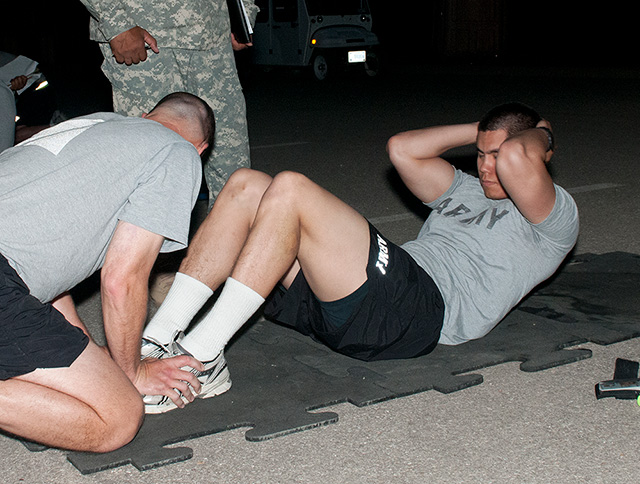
[(214, 379), (151, 348)]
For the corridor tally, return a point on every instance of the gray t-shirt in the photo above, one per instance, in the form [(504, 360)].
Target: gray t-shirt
[(63, 191), (484, 256)]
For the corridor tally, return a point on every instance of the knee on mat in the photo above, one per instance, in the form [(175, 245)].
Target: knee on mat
[(119, 428)]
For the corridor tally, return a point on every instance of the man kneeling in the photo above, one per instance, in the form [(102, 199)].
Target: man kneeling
[(100, 191)]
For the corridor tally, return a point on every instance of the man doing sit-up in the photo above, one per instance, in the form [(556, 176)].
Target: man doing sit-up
[(487, 242)]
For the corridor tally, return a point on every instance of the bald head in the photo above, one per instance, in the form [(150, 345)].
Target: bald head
[(188, 115)]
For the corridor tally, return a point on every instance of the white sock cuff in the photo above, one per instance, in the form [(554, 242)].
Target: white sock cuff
[(236, 304), (184, 299), (187, 288), (251, 297)]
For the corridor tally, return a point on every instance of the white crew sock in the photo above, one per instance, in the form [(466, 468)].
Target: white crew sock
[(185, 298), (234, 307)]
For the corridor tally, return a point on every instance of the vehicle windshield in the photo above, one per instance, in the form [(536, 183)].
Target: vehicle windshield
[(337, 7)]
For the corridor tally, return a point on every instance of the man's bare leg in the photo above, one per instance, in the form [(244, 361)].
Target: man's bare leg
[(297, 222), (215, 247), (211, 254), (65, 305), (90, 406), (261, 231)]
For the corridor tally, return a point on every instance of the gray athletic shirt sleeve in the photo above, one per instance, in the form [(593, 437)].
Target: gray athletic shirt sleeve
[(63, 192), (485, 256)]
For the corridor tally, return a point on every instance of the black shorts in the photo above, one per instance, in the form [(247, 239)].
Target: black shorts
[(32, 334), (399, 317)]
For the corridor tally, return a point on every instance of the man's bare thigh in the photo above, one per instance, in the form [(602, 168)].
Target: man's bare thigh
[(334, 246)]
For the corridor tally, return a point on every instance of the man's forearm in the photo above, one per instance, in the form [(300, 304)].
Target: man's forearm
[(416, 155), (124, 312), (434, 141), (124, 282)]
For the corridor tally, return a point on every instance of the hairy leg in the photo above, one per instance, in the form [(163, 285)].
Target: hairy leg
[(90, 406), (299, 220), (215, 247), (210, 258), (297, 224)]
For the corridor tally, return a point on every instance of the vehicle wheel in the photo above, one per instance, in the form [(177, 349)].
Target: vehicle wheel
[(320, 68), (372, 64)]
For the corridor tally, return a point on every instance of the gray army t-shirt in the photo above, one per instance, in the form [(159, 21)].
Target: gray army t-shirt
[(63, 191), (484, 256)]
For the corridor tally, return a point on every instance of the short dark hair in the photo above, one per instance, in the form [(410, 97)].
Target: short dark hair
[(189, 105), (512, 117)]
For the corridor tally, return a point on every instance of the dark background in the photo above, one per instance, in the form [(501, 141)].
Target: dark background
[(541, 33)]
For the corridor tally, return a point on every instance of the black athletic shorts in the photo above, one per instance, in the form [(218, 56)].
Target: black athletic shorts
[(399, 317), (32, 334)]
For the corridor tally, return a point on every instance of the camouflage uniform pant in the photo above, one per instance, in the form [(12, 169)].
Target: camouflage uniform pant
[(212, 76)]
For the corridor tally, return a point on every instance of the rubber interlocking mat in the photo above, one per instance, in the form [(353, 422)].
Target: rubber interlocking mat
[(279, 375)]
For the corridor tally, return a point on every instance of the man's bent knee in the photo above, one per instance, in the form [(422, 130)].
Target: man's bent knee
[(289, 189), (123, 425), (291, 184), (117, 437), (246, 185), (90, 406), (119, 406)]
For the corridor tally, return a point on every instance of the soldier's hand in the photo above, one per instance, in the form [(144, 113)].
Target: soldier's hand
[(130, 47), (237, 45), (169, 377), (18, 82)]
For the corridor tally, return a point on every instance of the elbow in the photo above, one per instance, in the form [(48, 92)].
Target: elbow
[(513, 155), (391, 145), (115, 284), (395, 149)]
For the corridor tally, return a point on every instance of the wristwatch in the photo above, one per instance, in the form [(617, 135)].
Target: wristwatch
[(552, 143)]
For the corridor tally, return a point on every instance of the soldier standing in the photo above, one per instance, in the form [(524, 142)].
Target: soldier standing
[(154, 47)]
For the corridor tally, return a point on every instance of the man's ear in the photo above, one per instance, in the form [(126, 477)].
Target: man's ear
[(201, 147)]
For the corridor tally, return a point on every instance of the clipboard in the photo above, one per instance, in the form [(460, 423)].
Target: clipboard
[(20, 66), (240, 24)]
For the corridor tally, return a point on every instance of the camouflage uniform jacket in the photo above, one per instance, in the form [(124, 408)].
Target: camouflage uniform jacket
[(180, 24)]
